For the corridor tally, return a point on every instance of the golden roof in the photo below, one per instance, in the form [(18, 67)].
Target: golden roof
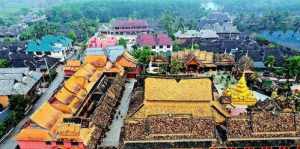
[(4, 101), (203, 56), (50, 115), (96, 60), (75, 63), (46, 116), (34, 134), (240, 93), (64, 96), (164, 89), (191, 96), (128, 56), (68, 131), (72, 65)]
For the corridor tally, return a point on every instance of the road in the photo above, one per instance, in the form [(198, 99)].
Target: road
[(10, 142), (113, 136)]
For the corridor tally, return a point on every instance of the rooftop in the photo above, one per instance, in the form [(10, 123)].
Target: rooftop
[(18, 81), (178, 90), (129, 23), (152, 40), (49, 43)]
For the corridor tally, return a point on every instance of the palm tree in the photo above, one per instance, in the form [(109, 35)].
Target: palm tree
[(180, 24), (270, 61)]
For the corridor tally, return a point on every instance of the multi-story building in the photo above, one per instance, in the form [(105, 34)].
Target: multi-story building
[(126, 27), (157, 43), (53, 46)]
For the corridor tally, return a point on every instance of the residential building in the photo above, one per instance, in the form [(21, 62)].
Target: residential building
[(18, 81), (50, 45), (125, 27), (13, 30), (158, 42), (194, 36), (188, 35)]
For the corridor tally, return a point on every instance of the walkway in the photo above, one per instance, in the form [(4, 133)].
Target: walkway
[(113, 136), (10, 142)]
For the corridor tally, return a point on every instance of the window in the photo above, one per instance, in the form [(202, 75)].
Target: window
[(38, 53), (48, 142), (168, 46), (48, 53), (59, 143), (74, 143), (161, 46), (153, 47)]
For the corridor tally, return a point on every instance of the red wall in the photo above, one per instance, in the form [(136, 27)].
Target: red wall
[(43, 145)]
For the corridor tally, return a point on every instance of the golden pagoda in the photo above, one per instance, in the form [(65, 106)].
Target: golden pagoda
[(240, 93)]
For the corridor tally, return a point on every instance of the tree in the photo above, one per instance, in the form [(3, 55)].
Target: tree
[(38, 30), (270, 61), (4, 63), (292, 66), (168, 21), (176, 66), (72, 35), (143, 55), (123, 42)]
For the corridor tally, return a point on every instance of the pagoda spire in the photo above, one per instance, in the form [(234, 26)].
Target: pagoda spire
[(240, 93)]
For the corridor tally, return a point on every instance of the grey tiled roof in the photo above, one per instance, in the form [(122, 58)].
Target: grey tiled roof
[(17, 81)]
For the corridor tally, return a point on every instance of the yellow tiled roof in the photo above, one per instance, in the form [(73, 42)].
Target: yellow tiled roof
[(199, 109), (73, 63), (46, 116), (164, 89), (34, 134), (86, 134), (96, 60), (64, 96)]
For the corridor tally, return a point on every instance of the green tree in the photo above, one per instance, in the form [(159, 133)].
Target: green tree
[(18, 103), (270, 61), (123, 42), (176, 66), (4, 63), (168, 21), (143, 55), (292, 66), (72, 35)]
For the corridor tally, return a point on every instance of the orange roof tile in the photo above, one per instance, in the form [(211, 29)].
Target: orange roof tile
[(96, 60), (34, 134), (46, 116), (4, 101)]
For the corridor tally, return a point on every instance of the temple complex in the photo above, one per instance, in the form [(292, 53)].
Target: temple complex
[(240, 94), (174, 110)]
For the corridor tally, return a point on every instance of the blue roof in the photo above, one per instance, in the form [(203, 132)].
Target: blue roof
[(112, 52), (47, 44), (259, 65)]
